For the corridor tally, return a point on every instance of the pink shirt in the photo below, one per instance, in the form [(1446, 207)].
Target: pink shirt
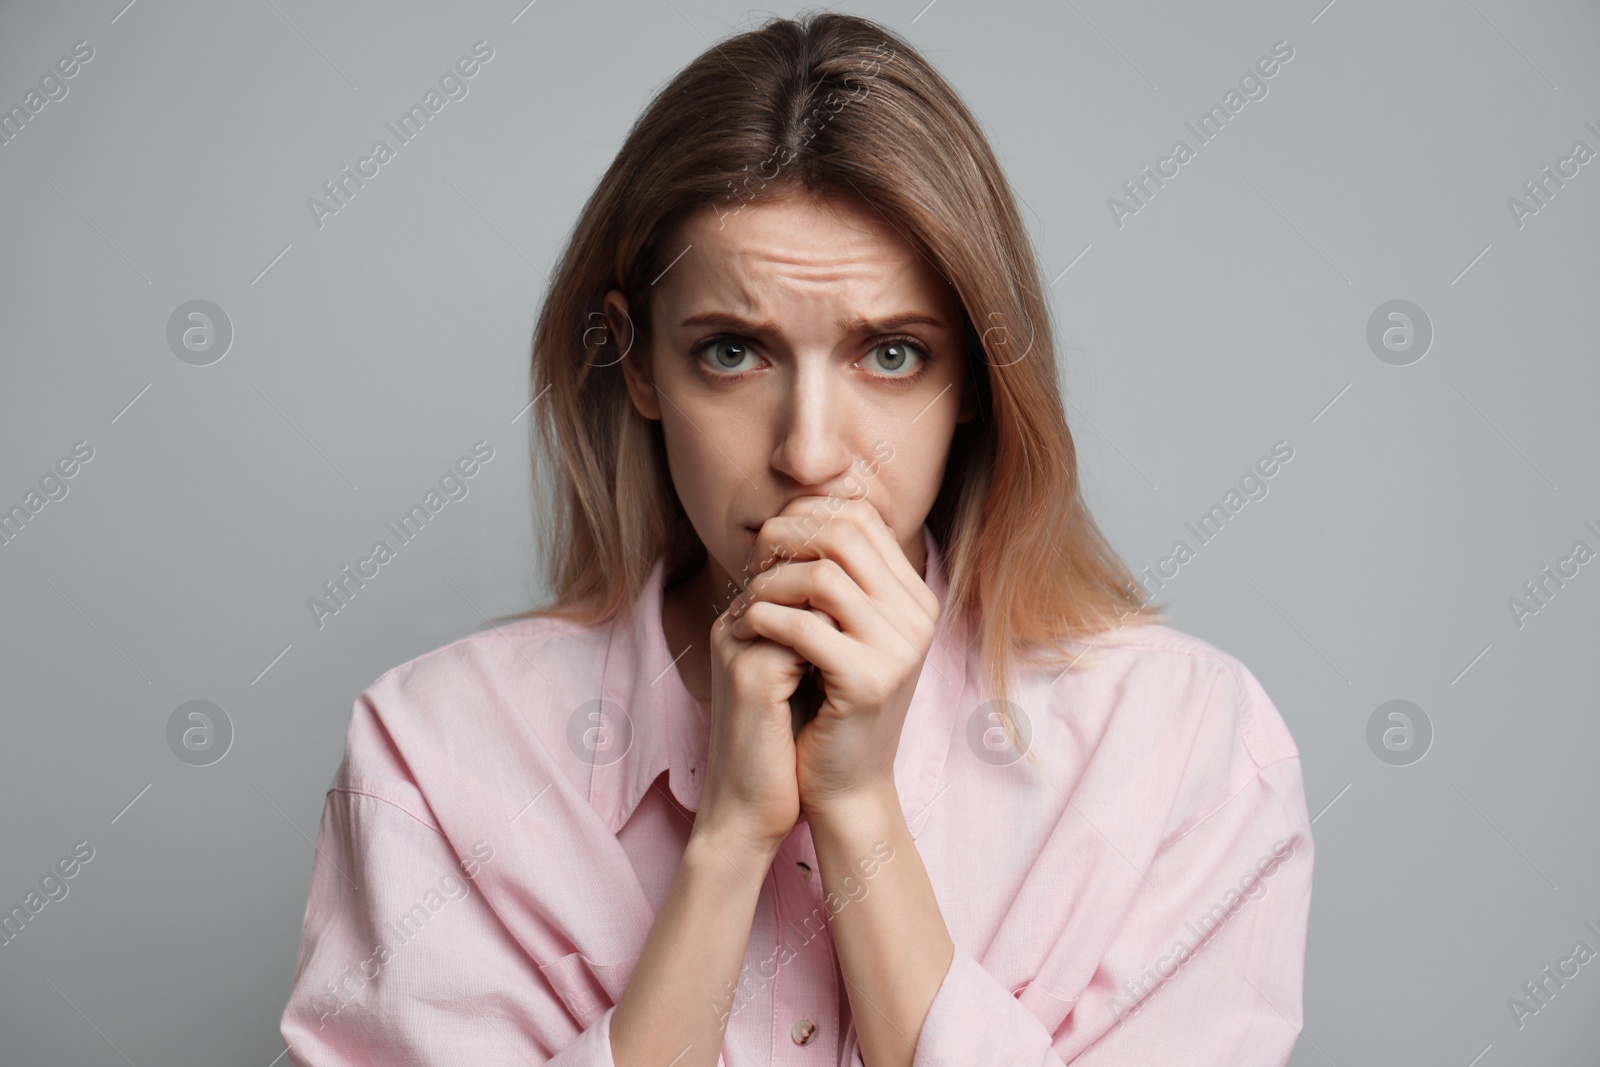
[(512, 807)]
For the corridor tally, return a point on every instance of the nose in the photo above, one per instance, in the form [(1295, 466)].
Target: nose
[(813, 432)]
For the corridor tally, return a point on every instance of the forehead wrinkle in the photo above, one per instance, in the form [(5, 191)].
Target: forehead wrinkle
[(768, 271), (744, 276), (809, 251), (745, 312), (861, 279)]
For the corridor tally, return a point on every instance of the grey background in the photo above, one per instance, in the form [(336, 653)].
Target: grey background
[(1228, 314)]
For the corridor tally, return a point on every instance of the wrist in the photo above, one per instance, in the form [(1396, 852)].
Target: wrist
[(717, 846), (867, 810)]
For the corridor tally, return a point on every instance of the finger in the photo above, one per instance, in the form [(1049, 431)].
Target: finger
[(780, 667), (824, 584), (869, 520), (844, 534), (909, 612), (809, 529), (808, 631)]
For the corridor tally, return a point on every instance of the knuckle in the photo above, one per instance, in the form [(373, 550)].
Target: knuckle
[(830, 575), (876, 691)]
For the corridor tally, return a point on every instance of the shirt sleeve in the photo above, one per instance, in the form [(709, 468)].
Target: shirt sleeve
[(1207, 964), (402, 964)]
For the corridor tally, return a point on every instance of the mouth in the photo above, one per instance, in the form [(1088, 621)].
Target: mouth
[(750, 534)]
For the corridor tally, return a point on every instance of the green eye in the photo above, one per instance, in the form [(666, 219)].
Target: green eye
[(898, 351), (901, 358), (726, 353)]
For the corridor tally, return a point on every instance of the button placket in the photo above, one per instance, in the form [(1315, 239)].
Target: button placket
[(805, 857), (812, 961)]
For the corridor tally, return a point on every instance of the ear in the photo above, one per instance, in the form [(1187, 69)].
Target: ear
[(635, 360)]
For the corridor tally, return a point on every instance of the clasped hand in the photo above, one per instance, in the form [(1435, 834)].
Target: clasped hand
[(843, 596)]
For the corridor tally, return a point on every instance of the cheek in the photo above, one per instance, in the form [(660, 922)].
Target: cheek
[(706, 462), (684, 459), (911, 464)]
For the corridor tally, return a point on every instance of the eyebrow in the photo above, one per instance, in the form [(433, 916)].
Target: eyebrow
[(859, 327)]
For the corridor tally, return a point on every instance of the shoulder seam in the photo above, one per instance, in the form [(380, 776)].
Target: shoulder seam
[(1250, 734)]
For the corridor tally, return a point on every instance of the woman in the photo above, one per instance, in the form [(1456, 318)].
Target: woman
[(848, 739)]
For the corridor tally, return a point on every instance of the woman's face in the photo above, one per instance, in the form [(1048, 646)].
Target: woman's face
[(800, 348)]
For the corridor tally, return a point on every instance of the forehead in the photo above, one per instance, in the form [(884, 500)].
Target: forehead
[(796, 249)]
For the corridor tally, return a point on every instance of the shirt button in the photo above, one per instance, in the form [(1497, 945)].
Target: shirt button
[(804, 1031), (805, 869)]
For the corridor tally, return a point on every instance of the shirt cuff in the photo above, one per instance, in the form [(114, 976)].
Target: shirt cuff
[(974, 1021), (592, 1048)]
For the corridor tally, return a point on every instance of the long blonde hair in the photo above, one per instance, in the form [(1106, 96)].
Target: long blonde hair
[(838, 107)]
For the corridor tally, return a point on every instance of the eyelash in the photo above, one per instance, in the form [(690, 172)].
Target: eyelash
[(923, 355)]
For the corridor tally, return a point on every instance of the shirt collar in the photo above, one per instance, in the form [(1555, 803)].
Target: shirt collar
[(662, 727)]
